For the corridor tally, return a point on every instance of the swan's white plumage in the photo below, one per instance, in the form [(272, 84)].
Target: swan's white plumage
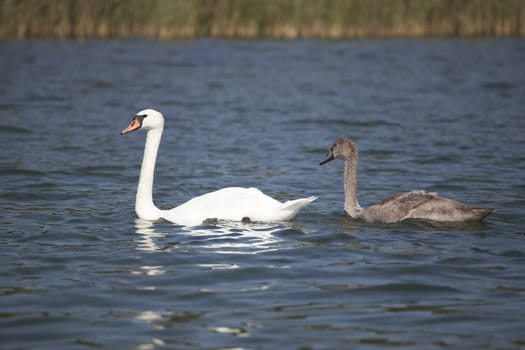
[(230, 203), (234, 204)]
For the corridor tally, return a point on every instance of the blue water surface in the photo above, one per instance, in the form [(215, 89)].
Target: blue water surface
[(79, 271)]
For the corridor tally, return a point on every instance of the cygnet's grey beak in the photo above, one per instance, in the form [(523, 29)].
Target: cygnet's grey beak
[(329, 157)]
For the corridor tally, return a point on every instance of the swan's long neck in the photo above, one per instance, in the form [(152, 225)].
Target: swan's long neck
[(352, 206), (144, 206)]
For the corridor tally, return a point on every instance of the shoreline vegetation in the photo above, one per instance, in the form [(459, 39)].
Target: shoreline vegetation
[(282, 19)]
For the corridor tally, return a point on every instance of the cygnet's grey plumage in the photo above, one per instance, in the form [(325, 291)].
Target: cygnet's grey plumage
[(410, 205)]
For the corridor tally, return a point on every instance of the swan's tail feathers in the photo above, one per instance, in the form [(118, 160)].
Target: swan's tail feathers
[(481, 213), (291, 208)]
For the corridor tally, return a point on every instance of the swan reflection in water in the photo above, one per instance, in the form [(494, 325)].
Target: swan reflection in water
[(221, 238)]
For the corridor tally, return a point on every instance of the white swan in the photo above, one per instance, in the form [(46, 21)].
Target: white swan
[(231, 203), (410, 205)]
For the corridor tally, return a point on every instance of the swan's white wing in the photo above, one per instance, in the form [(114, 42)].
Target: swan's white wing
[(234, 203)]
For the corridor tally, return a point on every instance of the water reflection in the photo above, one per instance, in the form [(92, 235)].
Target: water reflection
[(223, 238), (163, 319), (146, 241), (238, 332)]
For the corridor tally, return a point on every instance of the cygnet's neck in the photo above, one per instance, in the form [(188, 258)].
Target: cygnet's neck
[(144, 206), (352, 206)]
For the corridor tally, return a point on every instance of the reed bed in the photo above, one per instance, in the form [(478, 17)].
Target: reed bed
[(172, 19)]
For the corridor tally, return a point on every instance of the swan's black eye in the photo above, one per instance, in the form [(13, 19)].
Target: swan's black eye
[(140, 118)]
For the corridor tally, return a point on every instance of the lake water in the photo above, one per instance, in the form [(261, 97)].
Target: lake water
[(78, 271)]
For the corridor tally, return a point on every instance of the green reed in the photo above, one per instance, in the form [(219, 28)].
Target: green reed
[(170, 19)]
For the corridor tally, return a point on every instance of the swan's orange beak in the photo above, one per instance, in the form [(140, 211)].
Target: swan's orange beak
[(135, 125)]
